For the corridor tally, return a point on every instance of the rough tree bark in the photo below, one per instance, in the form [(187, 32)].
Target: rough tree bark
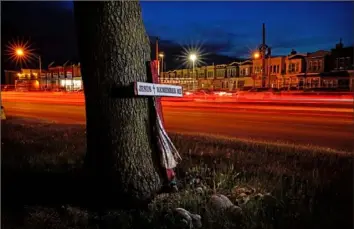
[(114, 48)]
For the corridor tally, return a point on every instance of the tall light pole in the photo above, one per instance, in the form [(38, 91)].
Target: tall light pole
[(263, 52), (157, 55), (269, 66), (193, 58), (46, 77), (20, 53), (256, 56), (40, 66), (161, 55)]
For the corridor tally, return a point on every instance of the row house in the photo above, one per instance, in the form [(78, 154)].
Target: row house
[(220, 71), (201, 71), (295, 65), (316, 63), (342, 57), (219, 82), (274, 69), (245, 68), (342, 74), (243, 77), (210, 72), (232, 70)]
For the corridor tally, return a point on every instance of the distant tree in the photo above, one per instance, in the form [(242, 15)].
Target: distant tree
[(114, 48)]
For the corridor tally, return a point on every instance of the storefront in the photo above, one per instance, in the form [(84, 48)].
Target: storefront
[(55, 80), (73, 84)]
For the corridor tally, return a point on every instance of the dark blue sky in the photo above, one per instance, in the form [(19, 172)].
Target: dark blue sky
[(226, 28), (235, 27)]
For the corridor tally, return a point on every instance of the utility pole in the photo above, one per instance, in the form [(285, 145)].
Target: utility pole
[(46, 76), (157, 55), (162, 63), (263, 52), (40, 64), (40, 70), (269, 66)]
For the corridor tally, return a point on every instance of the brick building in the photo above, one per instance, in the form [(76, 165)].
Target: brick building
[(342, 57), (294, 70)]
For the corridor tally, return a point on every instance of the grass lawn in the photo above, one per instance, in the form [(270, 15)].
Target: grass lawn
[(277, 185)]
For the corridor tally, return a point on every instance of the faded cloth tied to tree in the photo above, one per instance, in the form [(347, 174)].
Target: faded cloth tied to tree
[(169, 154)]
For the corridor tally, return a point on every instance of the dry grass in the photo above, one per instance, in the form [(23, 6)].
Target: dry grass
[(312, 186)]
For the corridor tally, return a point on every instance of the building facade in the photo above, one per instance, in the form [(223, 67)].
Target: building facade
[(297, 71), (342, 57), (66, 78), (293, 71)]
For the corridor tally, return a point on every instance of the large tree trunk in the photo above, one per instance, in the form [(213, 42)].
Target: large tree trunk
[(114, 49)]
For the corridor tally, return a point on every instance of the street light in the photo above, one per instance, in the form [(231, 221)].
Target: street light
[(161, 55), (193, 58), (19, 52), (256, 55)]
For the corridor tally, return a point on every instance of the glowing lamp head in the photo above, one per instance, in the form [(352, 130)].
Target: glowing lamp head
[(161, 55), (192, 57), (19, 52), (256, 55)]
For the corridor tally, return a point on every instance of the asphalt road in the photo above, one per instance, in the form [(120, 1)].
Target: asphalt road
[(327, 125)]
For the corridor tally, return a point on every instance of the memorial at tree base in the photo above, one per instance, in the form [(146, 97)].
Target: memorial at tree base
[(169, 155)]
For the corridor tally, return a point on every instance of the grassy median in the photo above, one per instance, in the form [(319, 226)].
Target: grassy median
[(277, 185)]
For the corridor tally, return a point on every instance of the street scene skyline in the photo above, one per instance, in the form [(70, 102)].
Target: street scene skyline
[(238, 34)]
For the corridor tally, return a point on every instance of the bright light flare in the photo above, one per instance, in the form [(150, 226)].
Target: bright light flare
[(193, 57), (256, 55), (20, 52), (192, 54), (161, 55)]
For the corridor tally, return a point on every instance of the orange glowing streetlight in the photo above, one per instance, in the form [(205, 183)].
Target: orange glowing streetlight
[(256, 55), (19, 52)]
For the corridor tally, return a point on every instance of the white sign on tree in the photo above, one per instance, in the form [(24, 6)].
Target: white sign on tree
[(152, 89), (170, 155)]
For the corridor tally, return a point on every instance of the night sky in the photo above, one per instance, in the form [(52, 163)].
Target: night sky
[(225, 28)]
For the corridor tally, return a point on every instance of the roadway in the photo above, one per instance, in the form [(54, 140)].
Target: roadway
[(322, 124)]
